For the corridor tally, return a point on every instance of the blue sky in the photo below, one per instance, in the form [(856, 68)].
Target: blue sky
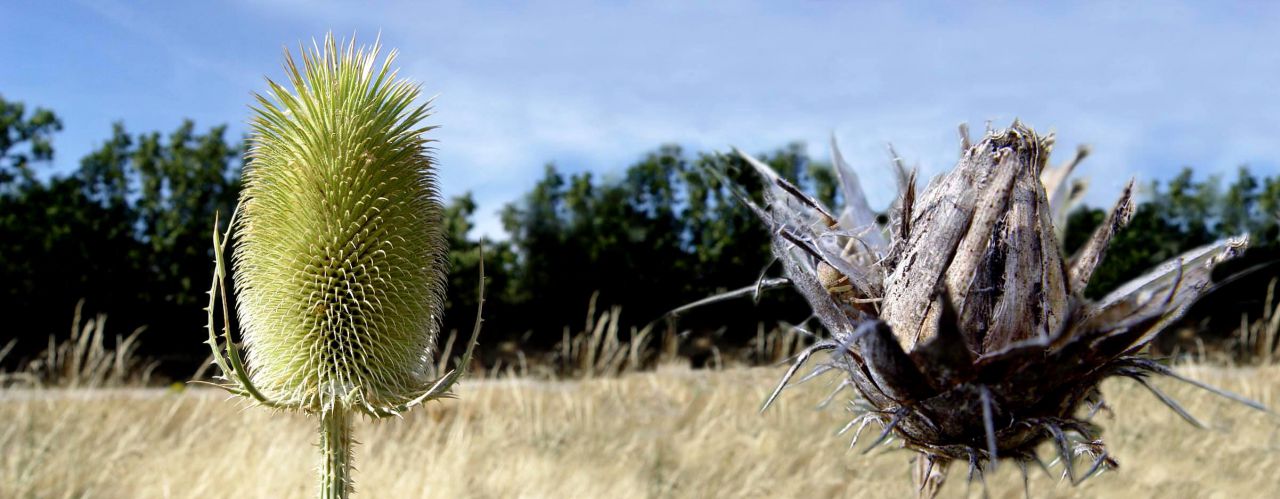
[(593, 86)]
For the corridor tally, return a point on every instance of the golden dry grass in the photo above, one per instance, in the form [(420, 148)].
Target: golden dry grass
[(672, 433)]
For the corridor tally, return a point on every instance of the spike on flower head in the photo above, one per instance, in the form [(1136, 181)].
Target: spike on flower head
[(340, 261), (962, 325)]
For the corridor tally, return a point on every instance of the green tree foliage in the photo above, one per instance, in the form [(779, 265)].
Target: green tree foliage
[(128, 232), (171, 186), (661, 234), (1180, 215), (24, 139), (464, 274)]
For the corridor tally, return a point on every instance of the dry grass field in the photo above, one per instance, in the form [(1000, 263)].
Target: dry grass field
[(671, 433)]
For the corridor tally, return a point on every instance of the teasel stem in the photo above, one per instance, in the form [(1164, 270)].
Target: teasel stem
[(336, 451)]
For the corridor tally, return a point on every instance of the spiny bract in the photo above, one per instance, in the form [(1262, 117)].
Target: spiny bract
[(341, 259), (962, 327)]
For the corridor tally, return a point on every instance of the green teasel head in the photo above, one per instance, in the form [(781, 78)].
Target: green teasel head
[(340, 255), (341, 258)]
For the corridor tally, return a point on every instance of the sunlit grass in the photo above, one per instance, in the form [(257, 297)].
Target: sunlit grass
[(670, 433)]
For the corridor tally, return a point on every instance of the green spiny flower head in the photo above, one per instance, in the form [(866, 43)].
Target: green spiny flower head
[(341, 257)]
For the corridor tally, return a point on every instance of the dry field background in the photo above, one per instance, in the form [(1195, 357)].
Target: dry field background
[(669, 433)]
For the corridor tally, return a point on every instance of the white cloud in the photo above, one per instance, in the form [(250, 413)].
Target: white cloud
[(595, 85), (1173, 83)]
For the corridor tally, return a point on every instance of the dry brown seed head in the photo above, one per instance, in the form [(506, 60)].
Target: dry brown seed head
[(981, 345)]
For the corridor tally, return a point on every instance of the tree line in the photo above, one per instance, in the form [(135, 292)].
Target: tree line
[(128, 232)]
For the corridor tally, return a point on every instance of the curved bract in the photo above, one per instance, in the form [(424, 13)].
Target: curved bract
[(340, 261), (962, 326)]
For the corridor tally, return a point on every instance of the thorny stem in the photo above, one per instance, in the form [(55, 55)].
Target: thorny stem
[(336, 452)]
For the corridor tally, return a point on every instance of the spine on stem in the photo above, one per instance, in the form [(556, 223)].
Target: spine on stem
[(336, 452)]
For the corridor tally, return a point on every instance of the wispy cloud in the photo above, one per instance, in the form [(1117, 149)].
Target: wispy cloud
[(161, 36), (594, 85)]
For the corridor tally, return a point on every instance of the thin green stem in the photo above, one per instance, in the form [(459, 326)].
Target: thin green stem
[(335, 449)]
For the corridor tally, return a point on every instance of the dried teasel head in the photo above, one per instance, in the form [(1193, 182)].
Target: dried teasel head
[(962, 326)]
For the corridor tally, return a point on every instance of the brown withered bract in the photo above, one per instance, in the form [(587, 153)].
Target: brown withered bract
[(962, 326)]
